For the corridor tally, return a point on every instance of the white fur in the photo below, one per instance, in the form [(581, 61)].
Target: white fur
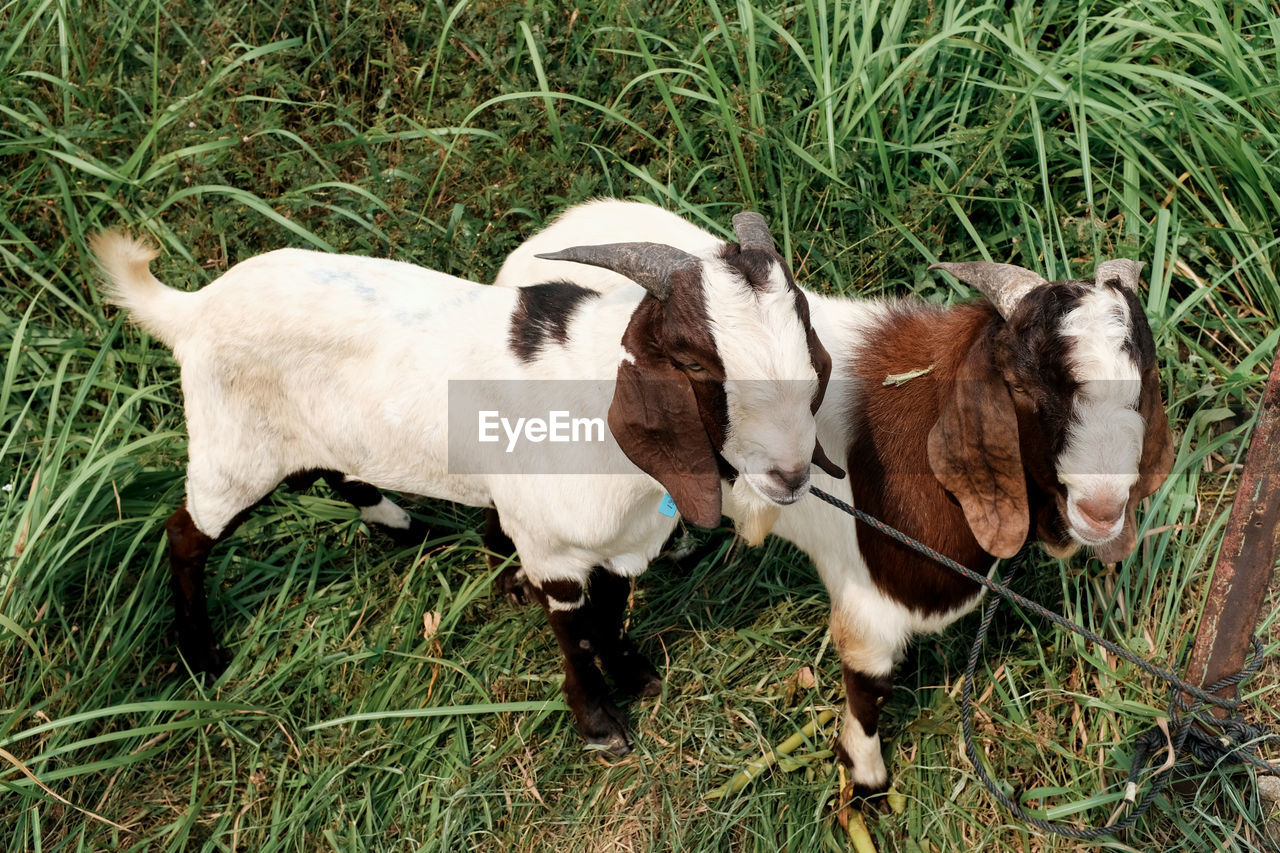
[(767, 391), (1104, 440), (868, 761), (386, 513), (767, 388), (556, 605)]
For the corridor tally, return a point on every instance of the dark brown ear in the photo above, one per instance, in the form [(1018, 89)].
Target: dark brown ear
[(654, 417), (822, 365), (974, 453), (1157, 443), (1153, 467)]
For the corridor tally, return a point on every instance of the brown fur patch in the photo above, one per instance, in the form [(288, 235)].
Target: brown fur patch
[(865, 695), (658, 417), (975, 453), (890, 445)]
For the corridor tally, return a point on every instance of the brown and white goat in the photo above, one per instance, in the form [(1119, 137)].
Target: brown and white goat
[(1035, 413)]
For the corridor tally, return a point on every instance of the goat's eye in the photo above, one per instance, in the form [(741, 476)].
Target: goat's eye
[(693, 367), (1024, 397)]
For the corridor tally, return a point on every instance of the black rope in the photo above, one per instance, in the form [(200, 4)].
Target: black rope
[(1189, 725)]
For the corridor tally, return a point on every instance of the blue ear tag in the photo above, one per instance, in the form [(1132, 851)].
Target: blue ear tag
[(667, 507)]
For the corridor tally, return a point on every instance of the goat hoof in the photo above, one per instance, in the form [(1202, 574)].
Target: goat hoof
[(649, 687), (866, 797), (207, 662), (615, 745), (602, 726), (869, 798), (519, 595)]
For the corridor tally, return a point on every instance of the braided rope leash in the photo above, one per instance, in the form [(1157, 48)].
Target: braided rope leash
[(1237, 743)]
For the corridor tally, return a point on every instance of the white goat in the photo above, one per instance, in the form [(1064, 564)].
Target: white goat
[(378, 374), (971, 428)]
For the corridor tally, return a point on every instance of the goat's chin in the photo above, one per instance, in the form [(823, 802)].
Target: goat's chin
[(1121, 545), (1111, 550), (1065, 546), (1054, 533), (1060, 550), (755, 514)]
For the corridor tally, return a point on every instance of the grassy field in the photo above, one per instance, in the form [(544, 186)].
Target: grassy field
[(383, 698)]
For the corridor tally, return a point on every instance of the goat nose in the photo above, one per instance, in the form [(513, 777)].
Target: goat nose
[(793, 480), (1101, 513)]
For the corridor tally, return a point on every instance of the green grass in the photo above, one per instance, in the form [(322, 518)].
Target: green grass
[(876, 136)]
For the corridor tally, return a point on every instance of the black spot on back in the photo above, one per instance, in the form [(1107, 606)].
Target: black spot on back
[(544, 310)]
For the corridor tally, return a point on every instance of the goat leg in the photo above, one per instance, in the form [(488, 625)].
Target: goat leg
[(511, 580), (572, 619), (858, 745), (376, 509), (866, 663), (631, 671), (188, 550)]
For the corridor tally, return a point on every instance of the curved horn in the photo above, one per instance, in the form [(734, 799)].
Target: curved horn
[(649, 265), (1121, 269), (1003, 284), (752, 231)]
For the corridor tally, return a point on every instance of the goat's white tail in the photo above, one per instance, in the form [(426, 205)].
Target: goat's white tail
[(126, 263)]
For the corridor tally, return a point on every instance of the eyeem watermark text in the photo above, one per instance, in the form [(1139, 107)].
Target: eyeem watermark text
[(558, 427)]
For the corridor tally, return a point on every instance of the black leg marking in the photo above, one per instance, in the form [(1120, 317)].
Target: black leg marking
[(354, 492), (866, 695), (630, 670), (599, 721), (303, 480), (188, 550), (361, 495)]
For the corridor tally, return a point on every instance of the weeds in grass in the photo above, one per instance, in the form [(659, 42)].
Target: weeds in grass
[(386, 698)]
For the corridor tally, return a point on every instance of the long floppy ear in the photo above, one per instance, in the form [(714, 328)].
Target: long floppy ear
[(821, 360), (974, 453), (654, 417), (1157, 442), (1153, 467)]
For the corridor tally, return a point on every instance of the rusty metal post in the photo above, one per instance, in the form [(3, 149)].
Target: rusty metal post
[(1248, 554)]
